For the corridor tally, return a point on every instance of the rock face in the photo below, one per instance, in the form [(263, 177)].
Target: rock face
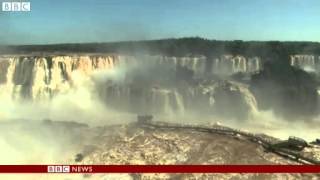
[(234, 101), (4, 64), (143, 100), (226, 99), (284, 89), (133, 144)]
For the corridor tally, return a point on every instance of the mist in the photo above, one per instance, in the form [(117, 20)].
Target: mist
[(27, 139), (115, 94)]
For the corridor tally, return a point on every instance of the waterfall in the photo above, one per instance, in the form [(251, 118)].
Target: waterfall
[(43, 78), (229, 64), (305, 62), (165, 101)]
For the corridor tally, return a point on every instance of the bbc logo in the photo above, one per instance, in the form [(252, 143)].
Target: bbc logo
[(16, 6), (58, 169)]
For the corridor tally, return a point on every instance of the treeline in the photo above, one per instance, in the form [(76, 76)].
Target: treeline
[(179, 47)]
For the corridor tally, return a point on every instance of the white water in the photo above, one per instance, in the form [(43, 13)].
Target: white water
[(94, 90)]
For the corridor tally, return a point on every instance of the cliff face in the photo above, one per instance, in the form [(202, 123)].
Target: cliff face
[(4, 64), (284, 88)]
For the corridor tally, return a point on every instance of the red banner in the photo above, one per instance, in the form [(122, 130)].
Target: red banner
[(159, 169)]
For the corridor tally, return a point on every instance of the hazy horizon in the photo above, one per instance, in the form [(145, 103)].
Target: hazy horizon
[(85, 21), (145, 40)]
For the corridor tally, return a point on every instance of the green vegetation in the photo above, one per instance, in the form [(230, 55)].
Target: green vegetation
[(178, 47)]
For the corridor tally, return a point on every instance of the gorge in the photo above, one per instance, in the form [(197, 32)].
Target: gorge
[(141, 84), (86, 94)]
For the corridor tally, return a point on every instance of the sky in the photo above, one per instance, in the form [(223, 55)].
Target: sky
[(79, 21)]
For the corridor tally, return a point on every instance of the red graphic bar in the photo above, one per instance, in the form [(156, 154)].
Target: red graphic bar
[(159, 168)]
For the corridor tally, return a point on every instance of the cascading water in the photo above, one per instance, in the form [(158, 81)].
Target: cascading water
[(228, 64), (43, 78), (309, 63)]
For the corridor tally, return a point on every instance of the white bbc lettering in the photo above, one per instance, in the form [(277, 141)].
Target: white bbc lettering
[(25, 6), (58, 169), (6, 6), (50, 169), (16, 6), (66, 169)]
